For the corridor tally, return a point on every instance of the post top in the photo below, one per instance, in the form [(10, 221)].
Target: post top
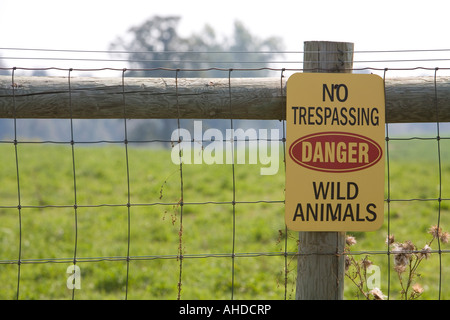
[(328, 56)]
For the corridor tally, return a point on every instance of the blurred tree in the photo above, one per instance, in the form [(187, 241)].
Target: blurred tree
[(156, 47), (156, 44)]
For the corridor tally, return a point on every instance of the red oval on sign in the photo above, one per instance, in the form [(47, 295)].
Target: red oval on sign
[(335, 152)]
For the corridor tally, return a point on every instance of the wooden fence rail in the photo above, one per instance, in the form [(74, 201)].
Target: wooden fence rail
[(408, 100)]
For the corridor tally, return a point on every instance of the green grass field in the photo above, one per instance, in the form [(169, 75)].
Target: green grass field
[(48, 233)]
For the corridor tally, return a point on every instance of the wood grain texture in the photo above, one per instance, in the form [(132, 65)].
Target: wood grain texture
[(328, 56), (321, 264), (48, 97), (408, 100)]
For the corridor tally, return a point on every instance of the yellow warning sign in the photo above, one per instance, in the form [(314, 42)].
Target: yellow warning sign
[(335, 137)]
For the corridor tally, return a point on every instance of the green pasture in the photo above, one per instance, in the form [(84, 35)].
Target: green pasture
[(105, 228)]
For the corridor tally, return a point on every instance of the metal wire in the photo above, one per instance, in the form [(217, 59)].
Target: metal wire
[(219, 52), (180, 204), (128, 181), (202, 256), (388, 200), (214, 57), (282, 107), (362, 69), (19, 203), (187, 61), (75, 206), (438, 139), (234, 188), (181, 256)]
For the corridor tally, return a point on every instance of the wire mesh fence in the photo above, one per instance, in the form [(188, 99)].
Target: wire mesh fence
[(181, 208)]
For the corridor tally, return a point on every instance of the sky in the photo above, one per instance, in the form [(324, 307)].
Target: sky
[(94, 24)]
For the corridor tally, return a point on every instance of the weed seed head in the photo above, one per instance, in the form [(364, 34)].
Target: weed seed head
[(350, 240)]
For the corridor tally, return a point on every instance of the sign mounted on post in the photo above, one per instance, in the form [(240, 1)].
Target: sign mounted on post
[(335, 137)]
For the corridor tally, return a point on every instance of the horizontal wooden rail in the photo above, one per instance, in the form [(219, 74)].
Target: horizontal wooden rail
[(408, 100)]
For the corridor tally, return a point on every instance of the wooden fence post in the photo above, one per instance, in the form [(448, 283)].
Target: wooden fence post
[(320, 268)]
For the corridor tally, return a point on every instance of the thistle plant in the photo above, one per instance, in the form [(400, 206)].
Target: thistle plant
[(357, 272), (407, 259)]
